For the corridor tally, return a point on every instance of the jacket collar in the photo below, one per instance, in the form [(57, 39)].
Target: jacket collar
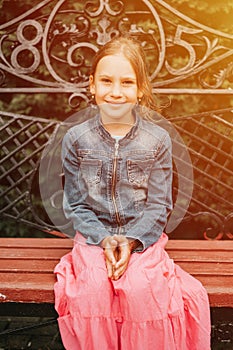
[(98, 125)]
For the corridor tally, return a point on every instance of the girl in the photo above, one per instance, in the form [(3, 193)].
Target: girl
[(118, 289)]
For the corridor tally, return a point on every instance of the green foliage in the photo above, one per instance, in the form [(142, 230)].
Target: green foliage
[(49, 106), (12, 228), (212, 13)]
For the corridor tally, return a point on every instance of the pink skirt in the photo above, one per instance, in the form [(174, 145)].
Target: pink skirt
[(155, 305)]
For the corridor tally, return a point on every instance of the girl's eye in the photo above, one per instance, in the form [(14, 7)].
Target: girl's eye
[(128, 82), (106, 81)]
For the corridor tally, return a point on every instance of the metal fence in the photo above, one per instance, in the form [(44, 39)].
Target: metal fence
[(60, 37)]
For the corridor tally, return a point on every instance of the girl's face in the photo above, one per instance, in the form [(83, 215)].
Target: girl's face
[(114, 85)]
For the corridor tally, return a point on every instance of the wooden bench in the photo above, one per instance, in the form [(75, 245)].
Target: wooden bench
[(26, 267)]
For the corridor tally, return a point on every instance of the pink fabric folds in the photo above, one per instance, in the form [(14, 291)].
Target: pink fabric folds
[(155, 305)]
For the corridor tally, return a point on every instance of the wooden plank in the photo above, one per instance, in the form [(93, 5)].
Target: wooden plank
[(202, 256), (28, 243), (210, 268), (27, 287), (172, 245), (35, 265), (26, 280), (32, 253), (26, 267), (48, 243), (45, 266), (39, 288), (220, 290), (199, 245), (35, 253), (183, 248)]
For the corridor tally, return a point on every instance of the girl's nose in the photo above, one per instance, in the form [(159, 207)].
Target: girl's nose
[(116, 90)]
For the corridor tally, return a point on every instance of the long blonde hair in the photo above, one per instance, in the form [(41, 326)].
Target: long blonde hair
[(134, 52)]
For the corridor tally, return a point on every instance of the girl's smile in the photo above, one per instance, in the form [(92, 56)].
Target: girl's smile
[(115, 88)]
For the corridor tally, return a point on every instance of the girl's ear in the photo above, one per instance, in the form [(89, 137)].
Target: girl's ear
[(91, 84), (140, 94)]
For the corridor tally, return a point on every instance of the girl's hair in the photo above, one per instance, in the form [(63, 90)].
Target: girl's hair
[(134, 52)]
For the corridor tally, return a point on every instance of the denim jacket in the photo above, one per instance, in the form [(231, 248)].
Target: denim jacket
[(117, 187)]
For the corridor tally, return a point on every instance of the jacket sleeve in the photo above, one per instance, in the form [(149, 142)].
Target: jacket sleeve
[(82, 216), (150, 225)]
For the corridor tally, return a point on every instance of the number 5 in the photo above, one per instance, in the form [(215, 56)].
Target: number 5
[(192, 54)]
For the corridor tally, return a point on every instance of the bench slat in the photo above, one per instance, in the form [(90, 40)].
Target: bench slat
[(199, 245), (54, 253), (33, 253), (210, 269), (46, 266), (179, 245), (31, 287), (28, 243), (27, 288), (26, 267), (35, 266)]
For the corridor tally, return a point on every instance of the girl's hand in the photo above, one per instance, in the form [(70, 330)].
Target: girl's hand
[(109, 245), (124, 253), (117, 250)]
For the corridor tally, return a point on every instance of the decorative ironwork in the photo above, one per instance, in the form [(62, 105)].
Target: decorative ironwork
[(22, 141), (49, 48), (208, 139), (60, 37)]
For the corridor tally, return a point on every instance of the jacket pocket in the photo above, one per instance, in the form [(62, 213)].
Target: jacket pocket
[(91, 170), (139, 171)]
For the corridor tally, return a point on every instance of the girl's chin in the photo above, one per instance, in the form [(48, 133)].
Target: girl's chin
[(116, 111)]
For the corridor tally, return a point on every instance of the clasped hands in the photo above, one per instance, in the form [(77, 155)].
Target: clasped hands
[(117, 251)]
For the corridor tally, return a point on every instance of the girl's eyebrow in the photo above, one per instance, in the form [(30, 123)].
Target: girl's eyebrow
[(104, 75), (123, 78), (129, 78)]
